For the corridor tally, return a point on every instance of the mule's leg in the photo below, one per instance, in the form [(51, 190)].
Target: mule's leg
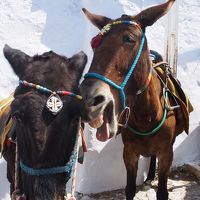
[(131, 163), (152, 169), (164, 163)]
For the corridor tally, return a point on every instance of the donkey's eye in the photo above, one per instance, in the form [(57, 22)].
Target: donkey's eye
[(128, 38)]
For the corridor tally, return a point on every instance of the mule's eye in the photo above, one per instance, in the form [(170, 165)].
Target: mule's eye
[(128, 39)]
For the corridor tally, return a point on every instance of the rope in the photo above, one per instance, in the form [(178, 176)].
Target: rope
[(74, 173), (156, 128), (46, 90), (16, 168), (53, 170), (16, 195), (134, 62)]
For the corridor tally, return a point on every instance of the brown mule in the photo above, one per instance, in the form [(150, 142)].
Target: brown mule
[(155, 127)]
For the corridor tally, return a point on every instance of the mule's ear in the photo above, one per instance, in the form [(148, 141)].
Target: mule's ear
[(149, 16), (16, 58), (97, 20)]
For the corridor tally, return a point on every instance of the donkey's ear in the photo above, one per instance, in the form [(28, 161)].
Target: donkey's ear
[(16, 58), (78, 62), (149, 16), (97, 20)]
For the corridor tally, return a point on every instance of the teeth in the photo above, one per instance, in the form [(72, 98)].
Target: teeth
[(97, 122)]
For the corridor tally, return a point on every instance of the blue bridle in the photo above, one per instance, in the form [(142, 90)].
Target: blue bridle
[(122, 86)]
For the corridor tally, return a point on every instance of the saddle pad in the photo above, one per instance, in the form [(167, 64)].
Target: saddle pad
[(175, 89), (6, 122)]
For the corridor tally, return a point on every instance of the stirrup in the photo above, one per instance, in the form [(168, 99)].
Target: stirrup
[(170, 108)]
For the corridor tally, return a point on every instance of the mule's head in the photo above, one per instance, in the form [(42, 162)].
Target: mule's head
[(45, 140), (115, 49)]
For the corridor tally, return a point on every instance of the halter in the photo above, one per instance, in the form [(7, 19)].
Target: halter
[(121, 87), (54, 170), (54, 103)]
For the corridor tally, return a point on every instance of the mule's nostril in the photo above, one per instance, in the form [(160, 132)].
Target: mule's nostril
[(98, 99)]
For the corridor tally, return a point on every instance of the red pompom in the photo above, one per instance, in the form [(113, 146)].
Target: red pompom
[(96, 41)]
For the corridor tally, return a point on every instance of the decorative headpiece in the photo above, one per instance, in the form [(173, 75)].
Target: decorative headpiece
[(96, 41), (54, 103)]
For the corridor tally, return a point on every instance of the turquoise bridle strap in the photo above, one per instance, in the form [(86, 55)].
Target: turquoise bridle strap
[(122, 86), (108, 81)]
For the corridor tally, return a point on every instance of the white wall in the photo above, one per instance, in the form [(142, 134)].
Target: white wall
[(35, 26)]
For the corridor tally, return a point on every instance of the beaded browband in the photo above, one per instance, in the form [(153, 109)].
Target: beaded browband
[(96, 41), (54, 103)]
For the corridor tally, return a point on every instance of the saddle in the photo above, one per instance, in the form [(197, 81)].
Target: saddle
[(175, 90)]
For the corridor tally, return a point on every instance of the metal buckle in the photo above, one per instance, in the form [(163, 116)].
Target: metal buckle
[(126, 113)]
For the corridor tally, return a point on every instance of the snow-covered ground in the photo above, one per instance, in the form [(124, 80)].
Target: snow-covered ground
[(35, 26)]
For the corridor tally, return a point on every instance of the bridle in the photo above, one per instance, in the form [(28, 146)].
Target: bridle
[(120, 87), (69, 166), (54, 170)]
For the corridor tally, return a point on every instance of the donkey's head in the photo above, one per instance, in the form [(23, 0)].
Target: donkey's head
[(45, 139), (119, 68)]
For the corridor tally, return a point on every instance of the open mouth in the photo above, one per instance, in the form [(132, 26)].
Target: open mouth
[(102, 123)]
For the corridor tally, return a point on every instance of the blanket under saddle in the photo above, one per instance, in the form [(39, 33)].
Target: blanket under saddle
[(6, 122)]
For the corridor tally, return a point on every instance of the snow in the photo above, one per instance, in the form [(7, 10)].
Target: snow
[(35, 26)]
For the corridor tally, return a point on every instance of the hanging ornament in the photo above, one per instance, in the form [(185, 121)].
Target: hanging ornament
[(96, 41), (54, 104)]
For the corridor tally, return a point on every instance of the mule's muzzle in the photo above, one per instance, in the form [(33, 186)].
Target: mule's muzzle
[(92, 106), (94, 100), (98, 107)]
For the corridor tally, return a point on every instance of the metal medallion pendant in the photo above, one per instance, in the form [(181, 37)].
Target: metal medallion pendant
[(54, 104)]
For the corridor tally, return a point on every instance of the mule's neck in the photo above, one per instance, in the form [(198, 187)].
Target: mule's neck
[(145, 107)]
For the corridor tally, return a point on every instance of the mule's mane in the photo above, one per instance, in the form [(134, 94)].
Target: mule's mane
[(48, 55)]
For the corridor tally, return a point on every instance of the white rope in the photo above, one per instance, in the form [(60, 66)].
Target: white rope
[(71, 196)]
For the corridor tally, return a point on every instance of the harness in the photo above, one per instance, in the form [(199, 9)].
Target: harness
[(121, 87)]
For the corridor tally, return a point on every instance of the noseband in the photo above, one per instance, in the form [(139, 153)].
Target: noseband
[(121, 87)]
